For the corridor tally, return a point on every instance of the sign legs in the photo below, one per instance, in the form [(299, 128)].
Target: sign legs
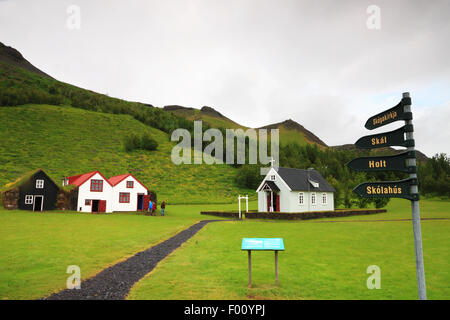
[(249, 268), (276, 267)]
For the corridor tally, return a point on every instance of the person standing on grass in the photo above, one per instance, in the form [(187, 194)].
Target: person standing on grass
[(150, 206), (163, 207), (154, 208)]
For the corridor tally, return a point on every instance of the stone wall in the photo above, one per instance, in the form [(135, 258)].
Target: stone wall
[(10, 199), (295, 216), (311, 215)]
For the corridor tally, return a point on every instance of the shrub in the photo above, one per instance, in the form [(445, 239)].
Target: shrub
[(148, 143), (144, 142), (132, 142)]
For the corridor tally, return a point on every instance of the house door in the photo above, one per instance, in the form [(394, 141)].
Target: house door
[(146, 199), (275, 202), (38, 203), (94, 207), (102, 206), (140, 202)]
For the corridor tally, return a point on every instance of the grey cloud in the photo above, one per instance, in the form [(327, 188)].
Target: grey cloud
[(257, 61)]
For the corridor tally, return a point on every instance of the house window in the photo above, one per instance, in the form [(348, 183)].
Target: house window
[(96, 185), (313, 198), (124, 197), (39, 184), (301, 198), (87, 202), (28, 199), (324, 198), (272, 177), (130, 184)]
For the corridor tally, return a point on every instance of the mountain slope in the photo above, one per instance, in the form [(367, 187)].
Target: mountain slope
[(67, 141), (290, 131), (207, 114), (11, 56), (381, 151)]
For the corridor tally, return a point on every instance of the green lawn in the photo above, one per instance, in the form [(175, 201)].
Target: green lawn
[(36, 248), (321, 261)]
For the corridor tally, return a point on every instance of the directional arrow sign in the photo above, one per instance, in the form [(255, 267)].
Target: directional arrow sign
[(384, 163), (386, 139), (388, 189), (390, 115)]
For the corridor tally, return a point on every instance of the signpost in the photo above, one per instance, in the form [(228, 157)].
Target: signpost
[(405, 162), (393, 114), (396, 162), (262, 244), (387, 139), (389, 189)]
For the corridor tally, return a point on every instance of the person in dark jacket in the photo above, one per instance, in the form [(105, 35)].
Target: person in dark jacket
[(163, 207)]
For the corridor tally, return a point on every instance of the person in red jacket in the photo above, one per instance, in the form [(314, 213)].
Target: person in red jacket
[(154, 207)]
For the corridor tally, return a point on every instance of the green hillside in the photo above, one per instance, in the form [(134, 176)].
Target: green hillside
[(66, 141), (205, 114), (289, 130)]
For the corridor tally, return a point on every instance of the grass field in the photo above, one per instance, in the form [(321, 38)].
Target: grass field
[(321, 261), (36, 248), (66, 141)]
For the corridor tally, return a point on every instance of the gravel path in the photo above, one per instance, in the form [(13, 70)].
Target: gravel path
[(115, 282)]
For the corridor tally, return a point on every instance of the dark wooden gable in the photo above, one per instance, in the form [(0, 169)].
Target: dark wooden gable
[(28, 187)]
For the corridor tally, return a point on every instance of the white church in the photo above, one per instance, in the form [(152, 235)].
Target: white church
[(294, 190)]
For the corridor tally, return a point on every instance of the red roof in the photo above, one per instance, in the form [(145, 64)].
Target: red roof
[(117, 179), (82, 178)]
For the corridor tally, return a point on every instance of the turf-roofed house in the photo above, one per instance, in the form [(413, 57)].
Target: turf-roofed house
[(34, 191), (294, 190)]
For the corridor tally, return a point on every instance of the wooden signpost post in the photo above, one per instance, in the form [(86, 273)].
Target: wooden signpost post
[(405, 162)]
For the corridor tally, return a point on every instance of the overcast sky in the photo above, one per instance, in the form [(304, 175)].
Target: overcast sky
[(255, 61)]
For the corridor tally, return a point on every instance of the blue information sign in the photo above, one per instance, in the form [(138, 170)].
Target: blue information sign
[(262, 244)]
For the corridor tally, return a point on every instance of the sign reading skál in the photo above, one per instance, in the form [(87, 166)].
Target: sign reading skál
[(385, 139)]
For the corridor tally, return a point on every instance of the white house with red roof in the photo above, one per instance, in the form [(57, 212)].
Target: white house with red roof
[(94, 192), (128, 193)]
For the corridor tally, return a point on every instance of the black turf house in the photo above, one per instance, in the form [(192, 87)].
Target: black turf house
[(34, 191)]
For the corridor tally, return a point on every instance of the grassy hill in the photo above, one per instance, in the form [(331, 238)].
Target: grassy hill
[(66, 141), (207, 114), (290, 131)]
